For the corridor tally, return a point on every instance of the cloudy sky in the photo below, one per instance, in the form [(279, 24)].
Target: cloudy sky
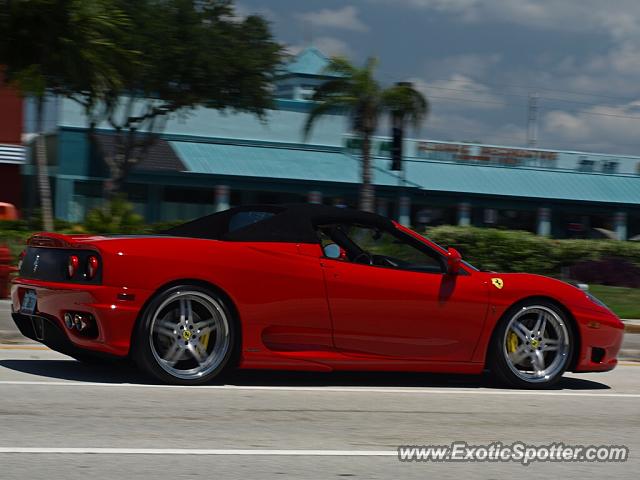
[(478, 61)]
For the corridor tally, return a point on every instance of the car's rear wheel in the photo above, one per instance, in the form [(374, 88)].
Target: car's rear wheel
[(532, 345), (186, 336)]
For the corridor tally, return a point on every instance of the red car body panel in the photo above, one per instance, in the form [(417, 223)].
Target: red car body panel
[(300, 311)]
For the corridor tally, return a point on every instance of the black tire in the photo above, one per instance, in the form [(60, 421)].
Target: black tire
[(146, 347), (503, 369)]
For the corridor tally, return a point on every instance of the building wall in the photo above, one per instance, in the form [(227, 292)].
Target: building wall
[(10, 116), (11, 184), (11, 119)]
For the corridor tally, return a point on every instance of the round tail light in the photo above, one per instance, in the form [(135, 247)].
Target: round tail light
[(72, 265), (92, 266)]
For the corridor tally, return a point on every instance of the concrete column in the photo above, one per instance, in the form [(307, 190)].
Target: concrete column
[(404, 211), (314, 196), (382, 206), (63, 199), (221, 198), (544, 222), (464, 214), (620, 225), (154, 203)]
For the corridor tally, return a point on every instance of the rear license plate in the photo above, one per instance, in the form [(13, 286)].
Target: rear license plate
[(29, 302)]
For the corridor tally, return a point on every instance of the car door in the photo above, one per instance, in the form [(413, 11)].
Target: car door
[(390, 296)]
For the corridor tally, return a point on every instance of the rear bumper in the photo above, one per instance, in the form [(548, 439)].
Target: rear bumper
[(43, 330), (115, 318)]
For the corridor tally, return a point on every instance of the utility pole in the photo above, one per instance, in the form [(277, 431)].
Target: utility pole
[(532, 120)]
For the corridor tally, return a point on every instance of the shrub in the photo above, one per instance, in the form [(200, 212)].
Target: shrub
[(517, 251), (117, 216), (616, 272)]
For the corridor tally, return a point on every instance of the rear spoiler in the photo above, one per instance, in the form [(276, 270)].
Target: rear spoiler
[(54, 240)]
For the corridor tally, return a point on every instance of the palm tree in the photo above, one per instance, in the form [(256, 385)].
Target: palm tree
[(356, 91)]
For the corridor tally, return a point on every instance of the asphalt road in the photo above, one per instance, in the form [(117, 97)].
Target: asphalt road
[(49, 401)]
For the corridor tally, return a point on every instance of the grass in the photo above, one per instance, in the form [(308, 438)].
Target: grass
[(625, 302)]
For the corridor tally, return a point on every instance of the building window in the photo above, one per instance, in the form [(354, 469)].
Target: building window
[(585, 165), (490, 216), (609, 166)]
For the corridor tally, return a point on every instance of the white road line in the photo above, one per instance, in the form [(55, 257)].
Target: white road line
[(420, 391), (184, 451)]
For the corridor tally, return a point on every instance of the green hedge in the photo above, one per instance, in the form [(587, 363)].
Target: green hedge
[(488, 249), (517, 251)]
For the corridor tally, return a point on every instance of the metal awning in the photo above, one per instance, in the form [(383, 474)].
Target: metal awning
[(307, 164), (12, 153)]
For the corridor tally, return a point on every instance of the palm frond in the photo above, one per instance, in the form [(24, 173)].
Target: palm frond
[(318, 111), (407, 103), (340, 66)]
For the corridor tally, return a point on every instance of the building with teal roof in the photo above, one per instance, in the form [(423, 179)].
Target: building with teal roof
[(209, 160)]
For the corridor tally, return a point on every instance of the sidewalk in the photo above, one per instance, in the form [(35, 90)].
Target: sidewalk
[(8, 331), (631, 325)]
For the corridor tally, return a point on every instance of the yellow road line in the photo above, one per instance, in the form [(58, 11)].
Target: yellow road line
[(23, 347)]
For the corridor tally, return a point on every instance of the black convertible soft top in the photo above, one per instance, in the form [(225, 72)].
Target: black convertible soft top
[(293, 223)]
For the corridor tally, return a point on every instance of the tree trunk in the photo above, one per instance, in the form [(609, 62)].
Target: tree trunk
[(43, 169), (367, 195)]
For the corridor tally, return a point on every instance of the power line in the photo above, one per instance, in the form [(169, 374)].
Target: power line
[(529, 88), (456, 99), (532, 121), (542, 97), (586, 112)]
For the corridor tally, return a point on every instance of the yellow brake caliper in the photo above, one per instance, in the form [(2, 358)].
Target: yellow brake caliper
[(512, 342), (204, 340)]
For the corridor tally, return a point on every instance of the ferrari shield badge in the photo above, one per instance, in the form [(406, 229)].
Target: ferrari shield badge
[(497, 282)]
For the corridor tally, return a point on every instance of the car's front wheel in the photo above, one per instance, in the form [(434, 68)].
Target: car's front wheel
[(186, 336), (532, 345)]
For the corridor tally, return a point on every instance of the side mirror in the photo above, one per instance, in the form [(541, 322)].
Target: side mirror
[(454, 259), (332, 251)]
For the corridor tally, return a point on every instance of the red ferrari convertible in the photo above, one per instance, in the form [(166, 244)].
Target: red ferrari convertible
[(303, 287)]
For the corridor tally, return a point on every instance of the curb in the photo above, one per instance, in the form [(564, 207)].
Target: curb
[(10, 337), (631, 328), (629, 355)]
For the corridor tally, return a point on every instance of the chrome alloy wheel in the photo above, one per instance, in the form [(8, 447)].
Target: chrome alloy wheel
[(536, 344), (189, 334)]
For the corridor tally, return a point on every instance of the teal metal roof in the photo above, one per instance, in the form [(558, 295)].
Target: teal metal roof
[(310, 61), (271, 162), (333, 166), (524, 182)]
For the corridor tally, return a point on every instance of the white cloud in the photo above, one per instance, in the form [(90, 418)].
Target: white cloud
[(619, 18), (459, 92), (241, 12), (470, 64), (460, 127), (330, 46), (595, 125), (345, 18), (604, 76)]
